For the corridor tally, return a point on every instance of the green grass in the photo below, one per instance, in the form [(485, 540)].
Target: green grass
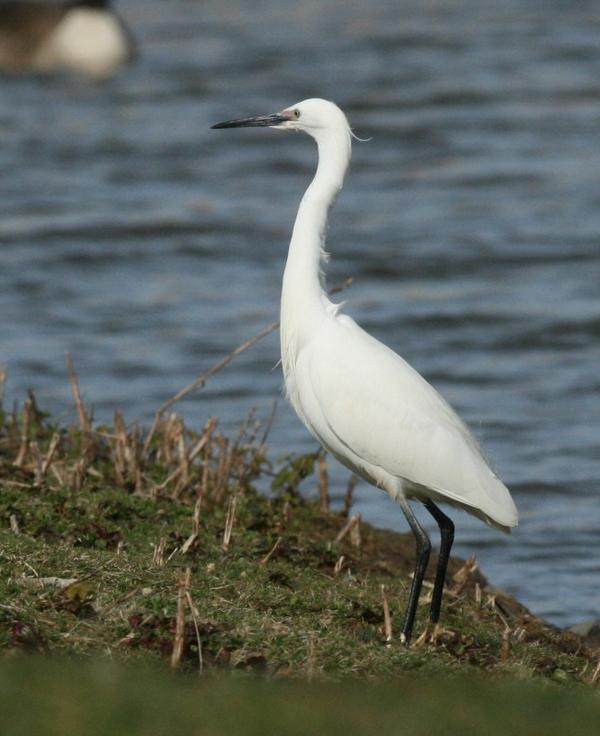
[(101, 699)]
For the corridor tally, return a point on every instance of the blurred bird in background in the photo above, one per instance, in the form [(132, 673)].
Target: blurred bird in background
[(86, 37)]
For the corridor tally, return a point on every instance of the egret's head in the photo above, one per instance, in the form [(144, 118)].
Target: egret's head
[(315, 117)]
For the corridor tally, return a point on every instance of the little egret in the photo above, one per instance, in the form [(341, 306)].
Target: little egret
[(361, 400), (82, 36)]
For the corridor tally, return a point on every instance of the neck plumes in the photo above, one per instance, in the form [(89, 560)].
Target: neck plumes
[(303, 300)]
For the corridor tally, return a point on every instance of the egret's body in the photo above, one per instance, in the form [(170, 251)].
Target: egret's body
[(361, 400)]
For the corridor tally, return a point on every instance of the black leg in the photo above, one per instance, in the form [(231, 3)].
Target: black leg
[(423, 550), (447, 537)]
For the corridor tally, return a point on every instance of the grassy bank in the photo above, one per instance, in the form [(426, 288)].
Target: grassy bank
[(115, 543)]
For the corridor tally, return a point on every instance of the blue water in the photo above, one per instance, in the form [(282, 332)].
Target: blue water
[(149, 246)]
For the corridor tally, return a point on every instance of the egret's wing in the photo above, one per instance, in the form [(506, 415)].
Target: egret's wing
[(367, 400)]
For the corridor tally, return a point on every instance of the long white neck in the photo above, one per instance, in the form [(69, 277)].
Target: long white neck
[(303, 300)]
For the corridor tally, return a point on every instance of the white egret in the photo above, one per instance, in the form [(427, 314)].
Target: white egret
[(82, 36), (361, 400)]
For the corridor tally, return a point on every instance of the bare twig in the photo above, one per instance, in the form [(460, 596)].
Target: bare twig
[(271, 552), (78, 474), (186, 458), (462, 576), (158, 556), (119, 447), (14, 524), (349, 495), (229, 521), (58, 473), (50, 454), (49, 582), (189, 544), (179, 640), (184, 464), (38, 460), (196, 516), (596, 674), (24, 446), (65, 582), (339, 565), (387, 619), (199, 446), (348, 527), (194, 612), (355, 536), (193, 538), (84, 422)]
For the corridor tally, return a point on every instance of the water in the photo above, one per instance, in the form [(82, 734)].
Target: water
[(149, 246)]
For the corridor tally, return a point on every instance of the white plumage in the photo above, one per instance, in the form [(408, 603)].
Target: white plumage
[(381, 419), (361, 400)]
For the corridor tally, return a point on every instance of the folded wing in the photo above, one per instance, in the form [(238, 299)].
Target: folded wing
[(363, 400)]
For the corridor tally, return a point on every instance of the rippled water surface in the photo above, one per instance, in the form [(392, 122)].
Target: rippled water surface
[(148, 245)]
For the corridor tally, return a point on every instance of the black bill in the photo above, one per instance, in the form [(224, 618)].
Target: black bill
[(262, 121)]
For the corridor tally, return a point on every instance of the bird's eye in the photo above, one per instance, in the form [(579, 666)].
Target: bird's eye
[(296, 114)]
